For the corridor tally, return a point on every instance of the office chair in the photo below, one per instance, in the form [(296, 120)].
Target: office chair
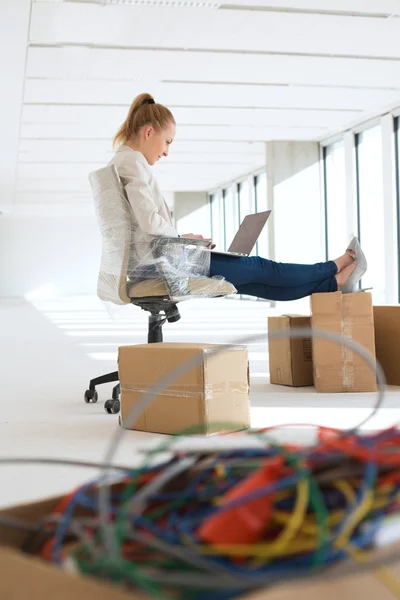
[(157, 296)]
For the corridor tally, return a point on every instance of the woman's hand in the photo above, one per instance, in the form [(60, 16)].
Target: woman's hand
[(197, 236)]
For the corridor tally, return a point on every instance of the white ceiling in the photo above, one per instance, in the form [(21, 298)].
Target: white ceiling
[(235, 75)]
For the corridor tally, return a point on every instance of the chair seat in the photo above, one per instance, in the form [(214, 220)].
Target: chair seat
[(198, 286)]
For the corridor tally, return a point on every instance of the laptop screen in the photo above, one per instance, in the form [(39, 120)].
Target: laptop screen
[(248, 233)]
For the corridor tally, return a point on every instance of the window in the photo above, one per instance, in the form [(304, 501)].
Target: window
[(217, 219), (261, 202), (335, 200), (246, 203), (231, 216), (371, 208), (246, 200), (397, 167)]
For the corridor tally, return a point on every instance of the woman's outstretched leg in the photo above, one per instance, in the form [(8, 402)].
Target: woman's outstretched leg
[(282, 294), (246, 270)]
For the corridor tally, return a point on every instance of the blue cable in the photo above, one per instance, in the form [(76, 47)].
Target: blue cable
[(64, 524)]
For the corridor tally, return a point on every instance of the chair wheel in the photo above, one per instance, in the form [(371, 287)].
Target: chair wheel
[(91, 396), (112, 407)]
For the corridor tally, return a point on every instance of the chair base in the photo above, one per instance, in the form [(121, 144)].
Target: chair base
[(161, 310)]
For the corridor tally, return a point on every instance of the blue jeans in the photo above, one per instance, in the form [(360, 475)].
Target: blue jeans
[(256, 276)]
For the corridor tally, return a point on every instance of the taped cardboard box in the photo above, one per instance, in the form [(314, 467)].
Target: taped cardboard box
[(387, 341), (211, 397), (290, 360), (25, 576), (337, 368)]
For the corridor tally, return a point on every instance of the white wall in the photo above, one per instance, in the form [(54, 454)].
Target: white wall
[(14, 26), (192, 213), (59, 248), (38, 251)]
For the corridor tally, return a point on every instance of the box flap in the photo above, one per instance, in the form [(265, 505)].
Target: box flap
[(20, 573), (24, 576), (32, 512), (176, 345), (144, 365)]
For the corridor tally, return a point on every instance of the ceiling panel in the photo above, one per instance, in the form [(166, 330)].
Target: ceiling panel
[(282, 96), (103, 118), (365, 6), (87, 151), (254, 30), (353, 6), (101, 64), (185, 132)]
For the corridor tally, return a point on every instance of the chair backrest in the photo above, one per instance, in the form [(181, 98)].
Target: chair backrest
[(114, 218)]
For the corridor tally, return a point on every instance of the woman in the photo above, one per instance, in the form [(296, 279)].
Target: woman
[(143, 139)]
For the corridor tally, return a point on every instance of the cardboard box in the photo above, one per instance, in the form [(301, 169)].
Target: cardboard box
[(337, 368), (290, 360), (213, 396), (24, 576), (387, 341)]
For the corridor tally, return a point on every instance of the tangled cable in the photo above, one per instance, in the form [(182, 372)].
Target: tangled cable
[(221, 523), (216, 523)]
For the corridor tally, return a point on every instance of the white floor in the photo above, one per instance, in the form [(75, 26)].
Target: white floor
[(50, 348)]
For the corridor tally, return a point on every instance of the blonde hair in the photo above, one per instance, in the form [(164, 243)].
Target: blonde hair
[(143, 111)]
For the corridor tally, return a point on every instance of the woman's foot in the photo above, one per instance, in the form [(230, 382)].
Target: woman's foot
[(344, 261), (361, 262), (343, 277), (353, 253)]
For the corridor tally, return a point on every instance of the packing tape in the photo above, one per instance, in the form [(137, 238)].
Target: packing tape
[(210, 390)]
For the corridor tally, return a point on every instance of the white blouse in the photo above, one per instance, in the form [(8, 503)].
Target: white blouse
[(149, 207), (151, 215)]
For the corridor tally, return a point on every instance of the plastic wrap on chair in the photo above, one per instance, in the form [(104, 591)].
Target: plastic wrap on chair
[(178, 261), (130, 255)]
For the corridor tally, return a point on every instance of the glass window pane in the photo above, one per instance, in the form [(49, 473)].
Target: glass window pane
[(217, 214), (397, 167), (246, 200), (371, 206), (231, 216), (260, 189), (246, 204), (336, 214)]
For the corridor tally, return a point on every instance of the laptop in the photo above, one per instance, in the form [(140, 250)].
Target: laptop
[(247, 235)]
